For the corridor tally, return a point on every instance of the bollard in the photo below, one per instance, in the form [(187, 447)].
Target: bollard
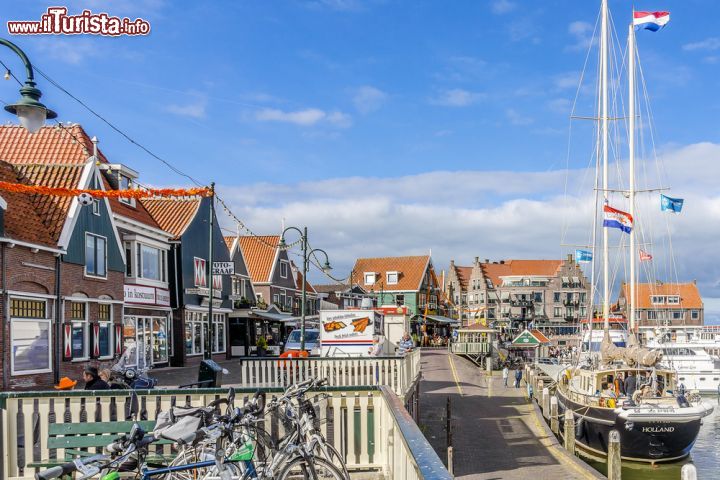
[(488, 366), (688, 472), (614, 463), (570, 432), (546, 402), (450, 461), (554, 420)]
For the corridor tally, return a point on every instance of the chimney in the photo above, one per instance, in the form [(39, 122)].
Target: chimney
[(487, 260), (570, 258), (477, 260), (95, 142), (452, 263), (502, 262)]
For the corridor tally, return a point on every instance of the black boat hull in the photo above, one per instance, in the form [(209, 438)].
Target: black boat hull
[(657, 439)]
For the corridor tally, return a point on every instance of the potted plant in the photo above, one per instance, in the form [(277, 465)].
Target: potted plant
[(261, 345), (262, 305), (242, 303)]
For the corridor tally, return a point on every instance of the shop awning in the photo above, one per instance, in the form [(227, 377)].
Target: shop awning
[(277, 317), (441, 319)]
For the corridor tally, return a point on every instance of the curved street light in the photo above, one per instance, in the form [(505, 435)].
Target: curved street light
[(306, 258), (31, 112)]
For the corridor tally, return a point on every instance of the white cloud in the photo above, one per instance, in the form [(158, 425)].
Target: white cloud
[(500, 7), (566, 80), (712, 43), (582, 33), (306, 117), (490, 214), (71, 50), (368, 99), (517, 118), (457, 97), (195, 109)]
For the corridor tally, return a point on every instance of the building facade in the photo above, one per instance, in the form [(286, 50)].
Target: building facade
[(341, 295), (241, 327), (662, 304), (552, 295), (401, 281), (187, 220)]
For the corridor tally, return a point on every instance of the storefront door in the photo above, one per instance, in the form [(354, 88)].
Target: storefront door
[(146, 339)]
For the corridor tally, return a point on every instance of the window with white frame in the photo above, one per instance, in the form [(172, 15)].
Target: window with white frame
[(197, 331), (105, 334), (128, 259), (151, 262), (283, 269), (678, 315), (400, 300), (652, 315), (657, 299), (369, 278), (392, 278), (95, 255), (30, 337), (125, 183), (694, 314), (673, 299), (78, 331), (96, 207)]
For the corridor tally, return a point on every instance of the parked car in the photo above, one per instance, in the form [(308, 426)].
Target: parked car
[(312, 341)]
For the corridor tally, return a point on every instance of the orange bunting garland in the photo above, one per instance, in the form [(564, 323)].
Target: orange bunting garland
[(73, 192)]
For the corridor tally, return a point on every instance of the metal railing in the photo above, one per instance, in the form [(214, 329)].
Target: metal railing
[(368, 425), (399, 373)]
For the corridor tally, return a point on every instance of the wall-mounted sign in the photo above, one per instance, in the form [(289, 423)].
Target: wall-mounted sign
[(223, 268), (143, 295), (200, 271), (203, 292)]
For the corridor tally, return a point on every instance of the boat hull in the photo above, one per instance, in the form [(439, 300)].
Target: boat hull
[(653, 437)]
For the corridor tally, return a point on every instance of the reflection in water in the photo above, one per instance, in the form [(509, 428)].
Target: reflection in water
[(705, 455)]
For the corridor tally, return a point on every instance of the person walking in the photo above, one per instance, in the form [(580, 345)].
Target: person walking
[(93, 380), (518, 377), (506, 373)]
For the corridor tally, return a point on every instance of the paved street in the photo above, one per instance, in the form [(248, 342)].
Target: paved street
[(496, 434)]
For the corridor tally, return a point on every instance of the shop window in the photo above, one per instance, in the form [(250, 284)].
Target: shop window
[(159, 340), (95, 255), (30, 332), (79, 330), (218, 333)]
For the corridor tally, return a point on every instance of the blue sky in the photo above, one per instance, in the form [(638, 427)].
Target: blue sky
[(387, 127)]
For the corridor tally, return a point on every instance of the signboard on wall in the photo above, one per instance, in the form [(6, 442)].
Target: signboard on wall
[(223, 268), (144, 295)]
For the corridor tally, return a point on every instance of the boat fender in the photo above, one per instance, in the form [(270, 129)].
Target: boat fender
[(579, 428), (682, 401)]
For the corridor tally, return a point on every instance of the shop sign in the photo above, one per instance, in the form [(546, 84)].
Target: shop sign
[(223, 268), (142, 295), (216, 303), (203, 292)]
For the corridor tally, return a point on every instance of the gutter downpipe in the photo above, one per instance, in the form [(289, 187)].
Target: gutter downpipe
[(58, 324), (5, 322)]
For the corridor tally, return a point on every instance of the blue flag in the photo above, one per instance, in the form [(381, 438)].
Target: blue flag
[(583, 256), (671, 204)]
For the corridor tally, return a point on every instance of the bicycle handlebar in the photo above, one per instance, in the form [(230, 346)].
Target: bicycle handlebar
[(56, 472)]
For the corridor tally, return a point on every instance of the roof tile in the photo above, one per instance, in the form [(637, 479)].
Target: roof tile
[(688, 292), (411, 269), (22, 221), (173, 215), (259, 254)]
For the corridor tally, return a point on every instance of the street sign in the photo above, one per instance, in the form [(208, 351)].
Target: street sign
[(223, 268)]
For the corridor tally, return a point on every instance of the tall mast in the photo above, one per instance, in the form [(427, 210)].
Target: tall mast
[(631, 145), (604, 118)]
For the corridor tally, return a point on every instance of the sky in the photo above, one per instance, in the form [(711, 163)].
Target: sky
[(397, 127)]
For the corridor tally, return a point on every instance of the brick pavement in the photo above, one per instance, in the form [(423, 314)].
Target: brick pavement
[(496, 434)]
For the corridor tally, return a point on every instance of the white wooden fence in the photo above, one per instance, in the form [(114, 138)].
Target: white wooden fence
[(368, 425), (398, 373)]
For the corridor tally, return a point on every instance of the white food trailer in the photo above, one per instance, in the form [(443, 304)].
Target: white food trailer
[(351, 333)]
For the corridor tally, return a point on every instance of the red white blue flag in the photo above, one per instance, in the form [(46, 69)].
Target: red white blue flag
[(653, 21), (617, 219), (644, 256)]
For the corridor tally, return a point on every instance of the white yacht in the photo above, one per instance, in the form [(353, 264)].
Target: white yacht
[(696, 369)]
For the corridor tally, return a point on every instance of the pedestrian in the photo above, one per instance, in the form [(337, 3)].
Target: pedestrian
[(518, 377), (406, 344), (619, 385), (93, 380), (506, 373), (630, 384), (105, 375)]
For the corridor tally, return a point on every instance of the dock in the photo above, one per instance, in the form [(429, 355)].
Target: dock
[(496, 432)]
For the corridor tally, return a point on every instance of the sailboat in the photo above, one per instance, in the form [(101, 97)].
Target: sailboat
[(655, 422)]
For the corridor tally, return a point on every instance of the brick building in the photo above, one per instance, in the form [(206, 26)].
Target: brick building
[(86, 328)]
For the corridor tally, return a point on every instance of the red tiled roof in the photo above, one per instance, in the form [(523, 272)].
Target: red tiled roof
[(52, 210), (173, 215), (259, 255), (308, 286), (22, 221), (67, 144), (229, 241), (540, 336), (411, 269), (463, 274), (545, 268), (138, 213), (688, 292)]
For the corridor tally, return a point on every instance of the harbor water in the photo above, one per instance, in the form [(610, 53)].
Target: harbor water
[(705, 455)]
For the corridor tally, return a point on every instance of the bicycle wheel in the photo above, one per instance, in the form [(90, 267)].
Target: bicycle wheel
[(313, 468), (330, 453), (190, 456)]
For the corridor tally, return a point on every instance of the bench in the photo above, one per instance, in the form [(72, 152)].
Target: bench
[(77, 438)]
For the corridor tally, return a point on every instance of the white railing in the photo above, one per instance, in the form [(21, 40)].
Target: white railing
[(398, 373), (473, 348), (369, 426)]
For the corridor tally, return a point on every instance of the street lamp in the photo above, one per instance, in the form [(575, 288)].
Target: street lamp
[(30, 111), (306, 258)]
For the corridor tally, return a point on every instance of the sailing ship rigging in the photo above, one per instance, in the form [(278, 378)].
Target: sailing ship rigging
[(656, 422)]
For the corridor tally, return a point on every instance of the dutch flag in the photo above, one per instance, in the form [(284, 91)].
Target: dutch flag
[(617, 219), (650, 20)]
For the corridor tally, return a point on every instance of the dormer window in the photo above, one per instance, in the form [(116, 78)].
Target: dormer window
[(673, 300), (125, 183), (369, 278), (657, 299), (284, 269), (392, 278)]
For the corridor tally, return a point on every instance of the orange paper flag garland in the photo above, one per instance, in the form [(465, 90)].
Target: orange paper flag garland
[(73, 192)]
